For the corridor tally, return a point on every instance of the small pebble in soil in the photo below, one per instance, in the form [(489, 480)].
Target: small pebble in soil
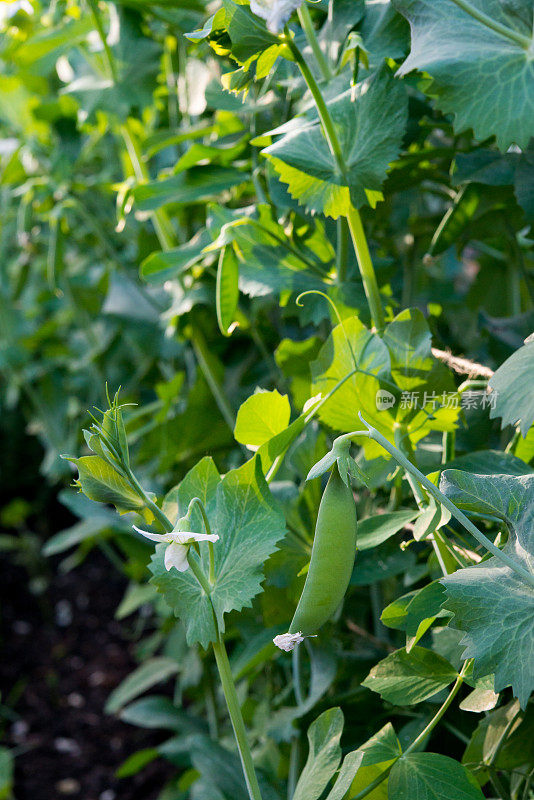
[(68, 786), (76, 700), (107, 794), (21, 627), (67, 746), (63, 613)]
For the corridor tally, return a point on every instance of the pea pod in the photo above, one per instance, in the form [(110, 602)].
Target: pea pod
[(332, 558)]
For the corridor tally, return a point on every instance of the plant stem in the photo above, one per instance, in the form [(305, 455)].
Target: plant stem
[(162, 224), (309, 30), (444, 500), (295, 666), (355, 223), (202, 353), (95, 11), (440, 713), (419, 739), (198, 502), (342, 249), (486, 20), (150, 504), (367, 271), (234, 709)]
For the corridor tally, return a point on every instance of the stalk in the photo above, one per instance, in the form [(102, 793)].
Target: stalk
[(359, 240), (234, 709), (419, 739), (307, 26), (486, 20), (401, 459), (221, 658)]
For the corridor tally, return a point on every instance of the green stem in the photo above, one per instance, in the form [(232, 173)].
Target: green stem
[(234, 709), (503, 30), (367, 271), (162, 224), (198, 502), (158, 513), (355, 223), (342, 249), (202, 353), (440, 713), (309, 30), (444, 500), (95, 11), (449, 445), (297, 683), (419, 739)]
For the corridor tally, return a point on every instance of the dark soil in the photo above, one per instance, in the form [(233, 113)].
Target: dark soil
[(61, 658)]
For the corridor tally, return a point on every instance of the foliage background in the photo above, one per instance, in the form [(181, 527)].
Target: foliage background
[(129, 179)]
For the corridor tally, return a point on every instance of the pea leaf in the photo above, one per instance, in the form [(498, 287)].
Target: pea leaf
[(463, 54), (242, 511), (429, 776), (144, 677), (324, 755), (98, 481), (262, 416), (492, 605), (512, 384), (369, 121), (406, 678)]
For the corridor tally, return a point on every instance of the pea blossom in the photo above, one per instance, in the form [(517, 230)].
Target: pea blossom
[(287, 641), (178, 544), (275, 12)]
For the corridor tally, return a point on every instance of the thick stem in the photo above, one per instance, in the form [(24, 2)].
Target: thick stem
[(309, 30), (367, 271), (234, 709), (401, 459), (503, 30), (342, 248), (355, 223)]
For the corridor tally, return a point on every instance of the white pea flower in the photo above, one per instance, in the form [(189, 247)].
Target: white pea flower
[(287, 641), (275, 12), (178, 542)]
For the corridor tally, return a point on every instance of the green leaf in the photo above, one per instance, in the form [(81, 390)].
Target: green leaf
[(492, 605), (349, 768), (463, 55), (242, 511), (192, 186), (370, 122), (247, 32), (347, 343), (419, 375), (512, 384), (323, 757), (144, 677), (379, 753), (98, 481), (7, 769), (406, 678), (227, 291), (136, 762), (262, 416), (429, 776), (167, 264), (375, 530), (155, 711)]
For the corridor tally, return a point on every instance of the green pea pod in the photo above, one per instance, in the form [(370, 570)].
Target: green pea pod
[(332, 558)]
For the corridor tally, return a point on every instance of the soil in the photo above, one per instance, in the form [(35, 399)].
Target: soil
[(62, 655)]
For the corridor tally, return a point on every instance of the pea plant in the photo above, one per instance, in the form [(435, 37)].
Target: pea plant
[(329, 346)]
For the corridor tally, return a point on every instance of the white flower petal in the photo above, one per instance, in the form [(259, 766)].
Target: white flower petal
[(287, 641), (155, 537), (186, 537), (176, 556)]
